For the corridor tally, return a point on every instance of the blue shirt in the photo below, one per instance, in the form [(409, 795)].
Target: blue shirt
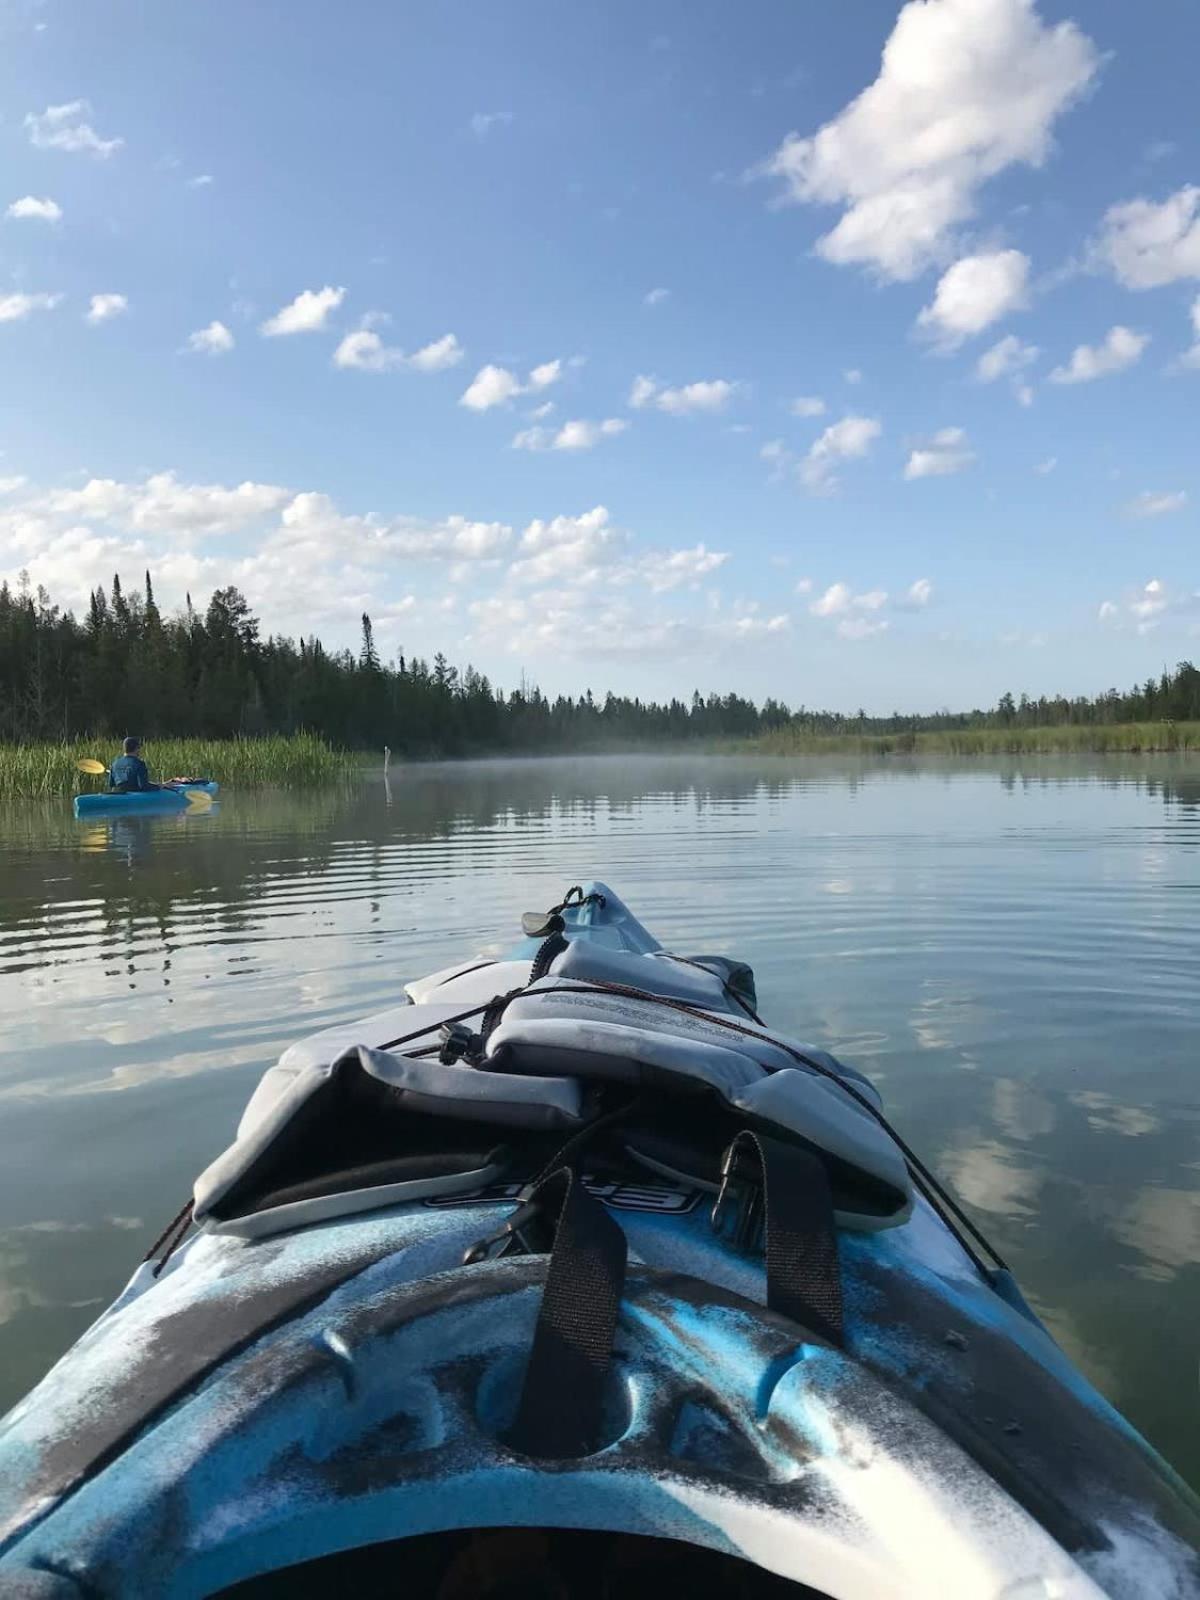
[(129, 774)]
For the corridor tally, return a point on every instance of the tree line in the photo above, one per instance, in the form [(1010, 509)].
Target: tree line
[(126, 667)]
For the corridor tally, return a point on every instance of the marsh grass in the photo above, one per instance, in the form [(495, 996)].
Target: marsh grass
[(1117, 738), (293, 761)]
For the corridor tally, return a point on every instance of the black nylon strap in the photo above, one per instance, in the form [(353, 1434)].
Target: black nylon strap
[(559, 1413), (804, 1281)]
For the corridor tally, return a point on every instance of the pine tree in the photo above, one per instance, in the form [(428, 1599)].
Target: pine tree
[(368, 656)]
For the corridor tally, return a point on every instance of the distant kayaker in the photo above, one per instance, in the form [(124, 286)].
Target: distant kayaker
[(129, 773)]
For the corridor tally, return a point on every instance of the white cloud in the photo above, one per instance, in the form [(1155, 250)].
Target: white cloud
[(1150, 603), (161, 504), (847, 440), (542, 377), (949, 451), (839, 599), (71, 561), (966, 89), (309, 565), (861, 627), (1145, 245), (63, 128), (307, 313), (643, 391), (571, 621), (708, 395), (1191, 358), (577, 585), (852, 375), (1160, 504), (439, 356), (856, 615), (1007, 359), (215, 340), (483, 122), (32, 209), (581, 435), (1147, 608), (665, 570), (574, 435), (539, 412), (656, 297), (202, 180), (312, 521), (860, 616), (104, 307), (1046, 467), (781, 459), (364, 351), (974, 293), (804, 586), (591, 554), (496, 386), (491, 386), (567, 547), (1121, 348), (807, 405), (16, 307)]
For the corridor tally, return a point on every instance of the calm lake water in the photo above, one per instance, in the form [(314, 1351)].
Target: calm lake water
[(1012, 951)]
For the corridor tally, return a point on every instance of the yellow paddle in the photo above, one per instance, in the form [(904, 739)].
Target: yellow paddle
[(197, 799)]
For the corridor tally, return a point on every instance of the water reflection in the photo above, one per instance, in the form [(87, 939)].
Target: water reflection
[(993, 1177), (1106, 1115), (1020, 1111), (1010, 948), (1162, 1228)]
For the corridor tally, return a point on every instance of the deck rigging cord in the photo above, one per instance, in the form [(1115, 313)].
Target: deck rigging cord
[(928, 1185)]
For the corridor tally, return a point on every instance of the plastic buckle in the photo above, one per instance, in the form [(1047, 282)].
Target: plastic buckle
[(738, 1213), (458, 1043), (510, 1237)]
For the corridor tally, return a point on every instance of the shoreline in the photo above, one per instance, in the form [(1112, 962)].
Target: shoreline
[(1115, 738), (303, 761)]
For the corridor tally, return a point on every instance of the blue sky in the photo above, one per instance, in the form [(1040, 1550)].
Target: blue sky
[(845, 354)]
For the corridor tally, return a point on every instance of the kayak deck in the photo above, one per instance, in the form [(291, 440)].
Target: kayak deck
[(334, 1361)]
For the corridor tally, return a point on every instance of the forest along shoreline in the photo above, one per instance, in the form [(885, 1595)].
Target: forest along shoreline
[(213, 698)]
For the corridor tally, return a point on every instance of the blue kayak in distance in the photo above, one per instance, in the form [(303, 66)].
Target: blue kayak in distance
[(105, 801)]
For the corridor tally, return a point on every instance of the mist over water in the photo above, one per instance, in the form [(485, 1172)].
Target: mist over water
[(1011, 949)]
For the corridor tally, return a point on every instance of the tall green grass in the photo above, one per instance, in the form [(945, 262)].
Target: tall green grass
[(1117, 738), (295, 761)]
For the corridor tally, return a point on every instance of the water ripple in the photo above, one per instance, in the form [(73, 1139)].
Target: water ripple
[(1011, 949)]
